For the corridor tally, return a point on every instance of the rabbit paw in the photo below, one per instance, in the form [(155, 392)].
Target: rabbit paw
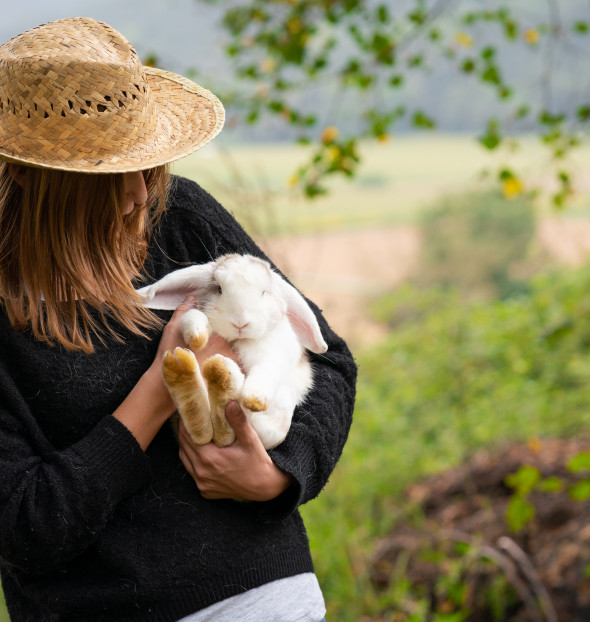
[(224, 381), (179, 368), (255, 396), (194, 326), (224, 378), (183, 379)]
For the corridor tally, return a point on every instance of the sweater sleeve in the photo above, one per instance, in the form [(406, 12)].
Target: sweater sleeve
[(53, 504), (321, 424)]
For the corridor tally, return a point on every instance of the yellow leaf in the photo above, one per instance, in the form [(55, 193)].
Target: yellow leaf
[(330, 134), (293, 181), (383, 138), (512, 187), (333, 153), (531, 36), (267, 65), (535, 444), (294, 26), (463, 39)]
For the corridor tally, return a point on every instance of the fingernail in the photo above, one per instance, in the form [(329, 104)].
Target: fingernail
[(189, 300)]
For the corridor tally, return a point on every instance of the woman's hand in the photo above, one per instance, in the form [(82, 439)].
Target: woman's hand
[(172, 335), (172, 338), (242, 471), (149, 404)]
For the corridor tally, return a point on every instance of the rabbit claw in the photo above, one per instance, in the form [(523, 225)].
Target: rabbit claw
[(179, 367)]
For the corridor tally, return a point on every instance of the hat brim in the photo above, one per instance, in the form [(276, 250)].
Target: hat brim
[(188, 117)]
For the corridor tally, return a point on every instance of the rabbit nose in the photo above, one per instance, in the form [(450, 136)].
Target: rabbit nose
[(238, 326)]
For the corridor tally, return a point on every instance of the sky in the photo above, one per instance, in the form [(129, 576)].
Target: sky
[(185, 35), (181, 32)]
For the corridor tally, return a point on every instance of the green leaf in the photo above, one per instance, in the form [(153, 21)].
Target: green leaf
[(468, 65), (416, 61), (489, 141), (581, 27), (554, 334), (492, 138), (510, 29), (580, 491), (314, 190), (383, 13), (580, 462), (519, 513), (583, 113), (462, 548), (491, 74), (276, 106), (550, 484), (418, 16), (488, 52), (548, 118), (252, 117), (524, 480), (420, 119)]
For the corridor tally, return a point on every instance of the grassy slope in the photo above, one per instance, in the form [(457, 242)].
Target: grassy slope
[(455, 378)]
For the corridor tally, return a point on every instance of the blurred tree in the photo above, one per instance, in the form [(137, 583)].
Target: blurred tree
[(374, 48), (473, 243)]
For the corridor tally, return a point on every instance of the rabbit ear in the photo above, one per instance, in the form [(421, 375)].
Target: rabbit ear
[(171, 290), (300, 315)]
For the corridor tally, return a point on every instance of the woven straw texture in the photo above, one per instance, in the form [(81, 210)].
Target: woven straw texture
[(75, 96)]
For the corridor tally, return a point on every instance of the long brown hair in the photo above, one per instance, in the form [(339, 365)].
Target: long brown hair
[(66, 248)]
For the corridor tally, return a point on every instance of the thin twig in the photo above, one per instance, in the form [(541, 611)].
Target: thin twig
[(528, 570), (507, 564)]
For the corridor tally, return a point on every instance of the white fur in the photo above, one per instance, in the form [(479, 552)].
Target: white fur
[(266, 320)]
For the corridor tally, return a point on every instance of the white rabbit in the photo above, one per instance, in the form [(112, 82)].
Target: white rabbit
[(269, 325)]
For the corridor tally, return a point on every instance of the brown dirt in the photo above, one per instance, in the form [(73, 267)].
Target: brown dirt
[(544, 565), (343, 270)]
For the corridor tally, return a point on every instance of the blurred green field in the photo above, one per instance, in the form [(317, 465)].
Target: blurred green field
[(452, 376), (396, 181)]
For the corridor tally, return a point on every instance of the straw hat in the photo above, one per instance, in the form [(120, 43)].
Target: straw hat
[(74, 96)]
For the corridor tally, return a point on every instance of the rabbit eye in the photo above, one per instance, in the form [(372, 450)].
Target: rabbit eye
[(219, 290)]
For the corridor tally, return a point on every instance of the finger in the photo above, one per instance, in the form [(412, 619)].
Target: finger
[(235, 416), (185, 440), (186, 461), (186, 304)]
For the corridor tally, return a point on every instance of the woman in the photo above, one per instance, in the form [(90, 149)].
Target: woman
[(106, 515)]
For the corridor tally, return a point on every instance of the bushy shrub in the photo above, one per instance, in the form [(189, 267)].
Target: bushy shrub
[(451, 377)]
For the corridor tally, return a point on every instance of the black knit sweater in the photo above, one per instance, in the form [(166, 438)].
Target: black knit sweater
[(91, 527)]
